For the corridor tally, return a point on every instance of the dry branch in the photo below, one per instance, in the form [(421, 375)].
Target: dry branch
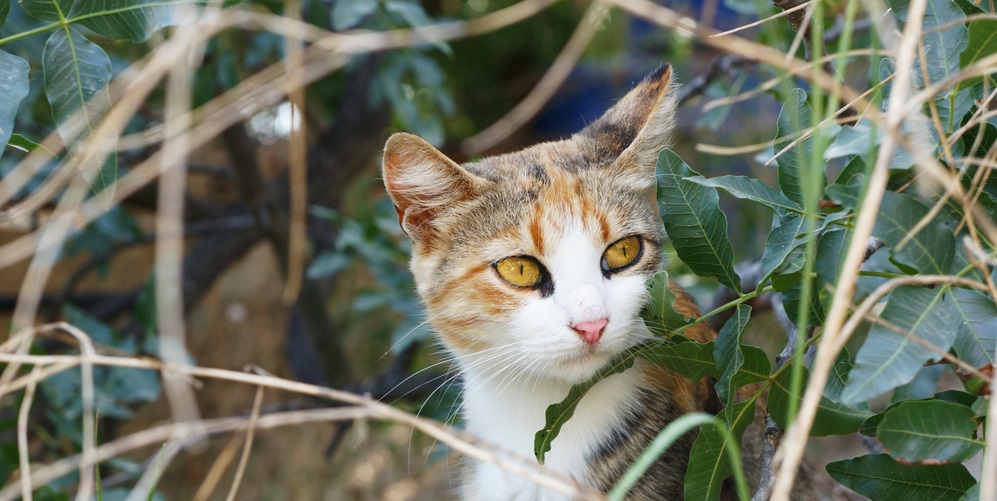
[(361, 407)]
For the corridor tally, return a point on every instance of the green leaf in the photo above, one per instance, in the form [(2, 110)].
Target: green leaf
[(327, 264), (831, 250), (13, 89), (942, 49), (889, 359), (858, 139), (973, 493), (747, 188), (930, 251), (134, 20), (4, 10), (346, 15), (684, 356), (77, 72), (708, 462), (953, 104), (728, 355), (24, 144), (781, 242), (832, 418), (838, 377), (659, 313), (929, 430), (47, 10), (945, 38), (982, 41), (116, 388), (694, 222), (870, 427), (854, 167), (977, 332), (879, 477), (557, 414), (795, 118), (922, 386), (756, 367)]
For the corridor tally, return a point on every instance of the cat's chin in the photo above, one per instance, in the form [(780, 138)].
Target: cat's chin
[(582, 366)]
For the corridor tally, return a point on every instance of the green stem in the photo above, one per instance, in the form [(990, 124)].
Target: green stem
[(26, 34), (744, 298), (92, 15)]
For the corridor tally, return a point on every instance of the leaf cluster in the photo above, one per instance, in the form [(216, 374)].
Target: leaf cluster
[(916, 333)]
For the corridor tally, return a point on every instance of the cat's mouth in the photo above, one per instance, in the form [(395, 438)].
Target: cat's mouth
[(589, 355)]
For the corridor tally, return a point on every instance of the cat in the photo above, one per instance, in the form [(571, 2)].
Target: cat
[(532, 266)]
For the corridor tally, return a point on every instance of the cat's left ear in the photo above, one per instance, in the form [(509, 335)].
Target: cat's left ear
[(423, 182), (637, 128)]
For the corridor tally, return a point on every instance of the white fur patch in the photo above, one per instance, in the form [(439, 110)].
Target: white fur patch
[(537, 357)]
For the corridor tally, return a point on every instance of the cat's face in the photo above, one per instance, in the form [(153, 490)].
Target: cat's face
[(535, 262)]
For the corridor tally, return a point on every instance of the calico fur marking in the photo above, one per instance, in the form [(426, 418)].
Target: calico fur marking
[(562, 205)]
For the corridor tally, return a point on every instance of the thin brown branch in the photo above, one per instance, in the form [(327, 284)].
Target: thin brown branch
[(23, 417), (942, 354), (247, 445), (362, 407), (790, 452), (297, 238)]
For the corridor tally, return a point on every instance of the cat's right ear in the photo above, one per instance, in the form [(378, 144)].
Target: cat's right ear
[(422, 181)]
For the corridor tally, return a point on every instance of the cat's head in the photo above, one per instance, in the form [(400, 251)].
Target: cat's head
[(535, 261)]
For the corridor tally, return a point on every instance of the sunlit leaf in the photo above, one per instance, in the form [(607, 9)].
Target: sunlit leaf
[(694, 222), (918, 431), (879, 477)]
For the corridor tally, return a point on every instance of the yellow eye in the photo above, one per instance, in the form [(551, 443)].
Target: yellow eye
[(621, 253), (521, 271)]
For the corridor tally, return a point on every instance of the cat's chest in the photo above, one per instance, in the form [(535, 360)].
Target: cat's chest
[(509, 414)]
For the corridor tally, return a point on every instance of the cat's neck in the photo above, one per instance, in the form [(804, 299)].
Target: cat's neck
[(507, 411)]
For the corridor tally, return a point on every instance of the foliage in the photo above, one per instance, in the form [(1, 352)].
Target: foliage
[(926, 440), (57, 58)]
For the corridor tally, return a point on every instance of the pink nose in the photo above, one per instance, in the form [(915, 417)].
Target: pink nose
[(591, 331)]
